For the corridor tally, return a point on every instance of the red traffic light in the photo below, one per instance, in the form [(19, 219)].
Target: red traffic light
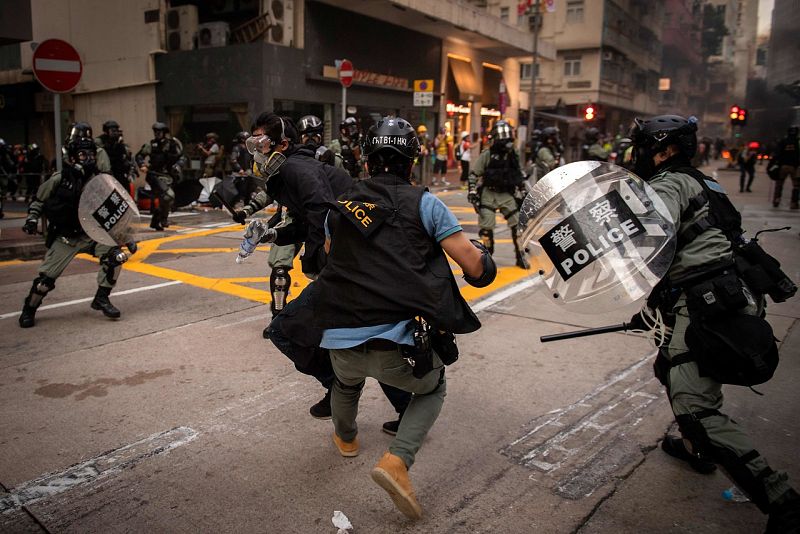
[(589, 113)]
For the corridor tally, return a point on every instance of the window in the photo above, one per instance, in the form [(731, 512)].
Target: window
[(504, 14), (574, 11), (572, 65), (525, 71)]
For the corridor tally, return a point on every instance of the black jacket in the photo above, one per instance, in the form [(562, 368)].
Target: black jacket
[(307, 188)]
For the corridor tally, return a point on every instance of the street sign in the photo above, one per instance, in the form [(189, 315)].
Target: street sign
[(423, 86), (423, 99), (57, 65), (346, 73)]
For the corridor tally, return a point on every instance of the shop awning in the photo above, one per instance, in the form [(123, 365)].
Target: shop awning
[(468, 87)]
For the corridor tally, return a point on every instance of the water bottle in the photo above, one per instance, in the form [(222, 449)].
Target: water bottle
[(252, 235), (734, 494)]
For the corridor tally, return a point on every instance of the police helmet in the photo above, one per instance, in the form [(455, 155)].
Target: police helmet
[(502, 131), (391, 134), (422, 129), (80, 129), (793, 131), (591, 135), (110, 125), (310, 125), (551, 132), (656, 134), (240, 137), (160, 127), (349, 127)]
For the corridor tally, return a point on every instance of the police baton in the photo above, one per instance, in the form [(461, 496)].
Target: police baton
[(586, 332), (230, 209)]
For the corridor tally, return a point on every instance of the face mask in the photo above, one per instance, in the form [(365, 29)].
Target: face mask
[(268, 166)]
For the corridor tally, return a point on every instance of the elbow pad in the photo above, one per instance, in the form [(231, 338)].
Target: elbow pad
[(489, 268)]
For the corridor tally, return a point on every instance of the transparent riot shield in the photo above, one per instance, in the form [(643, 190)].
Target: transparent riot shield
[(599, 235), (106, 211)]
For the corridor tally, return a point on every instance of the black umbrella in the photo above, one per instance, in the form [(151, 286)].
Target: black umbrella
[(187, 192)]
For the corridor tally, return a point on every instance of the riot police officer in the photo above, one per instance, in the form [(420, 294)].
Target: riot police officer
[(119, 154), (549, 153), (788, 157), (311, 129), (691, 299), (497, 183), (592, 150), (346, 147), (34, 168), (239, 158), (7, 169), (58, 199), (162, 161), (387, 236)]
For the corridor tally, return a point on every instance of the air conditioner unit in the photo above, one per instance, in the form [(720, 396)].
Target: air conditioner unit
[(211, 34), (181, 27), (282, 31)]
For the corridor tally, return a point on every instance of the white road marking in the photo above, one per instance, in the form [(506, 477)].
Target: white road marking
[(80, 301), (104, 465)]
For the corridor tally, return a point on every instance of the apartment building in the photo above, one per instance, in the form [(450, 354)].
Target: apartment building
[(212, 66)]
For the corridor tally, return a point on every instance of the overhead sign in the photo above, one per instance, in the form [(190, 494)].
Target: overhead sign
[(423, 99), (423, 86), (57, 65), (346, 73)]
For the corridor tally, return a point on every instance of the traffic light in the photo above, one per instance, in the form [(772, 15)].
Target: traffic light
[(738, 116), (589, 113)]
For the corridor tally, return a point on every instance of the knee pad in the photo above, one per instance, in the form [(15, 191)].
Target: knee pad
[(42, 285), (487, 238), (279, 283), (111, 264)]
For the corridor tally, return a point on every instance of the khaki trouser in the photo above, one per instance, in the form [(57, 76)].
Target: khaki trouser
[(790, 172), (282, 256), (690, 393), (352, 366), (63, 250), (491, 201)]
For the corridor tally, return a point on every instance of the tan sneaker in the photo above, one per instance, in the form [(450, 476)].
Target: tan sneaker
[(346, 448), (391, 474)]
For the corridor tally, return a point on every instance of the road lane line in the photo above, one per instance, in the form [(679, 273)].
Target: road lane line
[(80, 301), (104, 465)]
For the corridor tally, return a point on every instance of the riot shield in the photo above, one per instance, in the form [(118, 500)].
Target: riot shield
[(599, 235), (106, 211)]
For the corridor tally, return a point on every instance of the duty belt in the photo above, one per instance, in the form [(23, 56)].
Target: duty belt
[(376, 344)]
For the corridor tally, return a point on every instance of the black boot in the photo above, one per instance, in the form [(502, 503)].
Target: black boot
[(102, 303), (674, 447), (322, 409), (784, 514), (522, 261), (155, 223), (28, 317)]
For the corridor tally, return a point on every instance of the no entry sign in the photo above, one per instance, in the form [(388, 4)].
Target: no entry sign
[(346, 73), (57, 65)]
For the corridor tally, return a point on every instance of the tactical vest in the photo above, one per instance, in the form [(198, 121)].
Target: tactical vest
[(240, 155), (349, 160), (61, 207), (502, 172), (383, 266), (118, 155), (163, 154)]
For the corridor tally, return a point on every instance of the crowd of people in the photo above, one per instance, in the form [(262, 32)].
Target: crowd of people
[(369, 232)]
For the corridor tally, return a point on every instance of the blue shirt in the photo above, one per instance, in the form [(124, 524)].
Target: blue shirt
[(440, 223)]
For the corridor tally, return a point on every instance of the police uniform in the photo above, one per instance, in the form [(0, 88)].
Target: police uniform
[(495, 183), (58, 198), (165, 161), (788, 157), (596, 152), (117, 160), (703, 256), (345, 157)]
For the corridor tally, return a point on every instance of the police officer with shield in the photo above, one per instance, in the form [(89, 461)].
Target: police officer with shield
[(496, 183), (58, 199), (549, 152), (704, 298), (162, 161)]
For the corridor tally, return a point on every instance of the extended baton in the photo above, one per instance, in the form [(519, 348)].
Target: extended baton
[(586, 332), (224, 203)]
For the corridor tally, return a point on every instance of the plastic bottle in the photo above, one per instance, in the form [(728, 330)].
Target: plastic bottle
[(734, 494), (252, 235)]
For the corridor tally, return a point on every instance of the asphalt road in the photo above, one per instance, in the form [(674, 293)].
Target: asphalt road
[(179, 417)]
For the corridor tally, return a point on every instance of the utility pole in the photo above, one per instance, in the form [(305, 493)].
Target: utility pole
[(535, 22)]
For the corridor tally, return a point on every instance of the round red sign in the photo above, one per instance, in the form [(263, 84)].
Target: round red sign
[(57, 65), (346, 73)]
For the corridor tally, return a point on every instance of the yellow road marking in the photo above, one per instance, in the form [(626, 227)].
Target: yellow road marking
[(195, 250), (8, 263)]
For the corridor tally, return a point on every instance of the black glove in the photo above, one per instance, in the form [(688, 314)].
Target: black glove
[(473, 197), (239, 216), (132, 247), (637, 322), (31, 226)]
